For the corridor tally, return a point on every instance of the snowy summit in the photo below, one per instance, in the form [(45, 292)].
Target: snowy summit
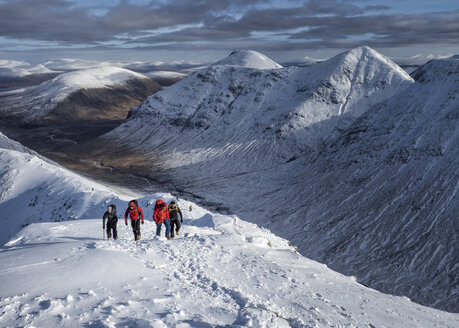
[(249, 59)]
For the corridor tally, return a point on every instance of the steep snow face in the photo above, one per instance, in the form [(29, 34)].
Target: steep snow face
[(381, 200), (219, 271), (249, 59), (37, 102), (257, 117)]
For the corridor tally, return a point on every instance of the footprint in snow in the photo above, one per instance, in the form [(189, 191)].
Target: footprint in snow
[(44, 305)]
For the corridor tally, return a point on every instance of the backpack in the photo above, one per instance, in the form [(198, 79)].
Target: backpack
[(162, 213), (173, 211), (113, 206), (136, 203)]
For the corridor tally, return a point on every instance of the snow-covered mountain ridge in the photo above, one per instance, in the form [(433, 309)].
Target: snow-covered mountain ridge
[(37, 103), (264, 115), (360, 159), (220, 270)]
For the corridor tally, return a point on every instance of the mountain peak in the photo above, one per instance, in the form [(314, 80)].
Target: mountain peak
[(368, 61), (249, 59)]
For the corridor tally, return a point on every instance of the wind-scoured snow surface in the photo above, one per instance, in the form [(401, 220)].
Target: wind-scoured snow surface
[(36, 102), (219, 271), (350, 159)]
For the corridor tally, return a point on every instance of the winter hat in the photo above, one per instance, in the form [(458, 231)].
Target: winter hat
[(110, 208)]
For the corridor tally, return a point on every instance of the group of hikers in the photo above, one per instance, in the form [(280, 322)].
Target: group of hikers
[(162, 214)]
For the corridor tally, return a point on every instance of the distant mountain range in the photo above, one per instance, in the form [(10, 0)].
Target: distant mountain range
[(91, 94)]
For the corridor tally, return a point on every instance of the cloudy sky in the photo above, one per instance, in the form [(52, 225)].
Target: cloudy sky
[(207, 30)]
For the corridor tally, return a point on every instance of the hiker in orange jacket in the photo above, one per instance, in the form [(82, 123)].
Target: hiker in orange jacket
[(160, 216), (136, 214)]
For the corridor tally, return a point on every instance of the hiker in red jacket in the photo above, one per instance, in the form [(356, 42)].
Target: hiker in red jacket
[(160, 216), (136, 214)]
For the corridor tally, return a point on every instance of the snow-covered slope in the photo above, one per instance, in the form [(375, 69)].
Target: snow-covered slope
[(7, 143), (349, 159), (37, 103), (249, 59), (380, 201), (219, 271), (34, 189), (259, 117)]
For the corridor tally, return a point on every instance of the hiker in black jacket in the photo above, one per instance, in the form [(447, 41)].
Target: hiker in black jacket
[(174, 211), (112, 220)]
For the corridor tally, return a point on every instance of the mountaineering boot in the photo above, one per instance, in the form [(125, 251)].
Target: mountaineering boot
[(108, 238), (168, 237), (177, 233)]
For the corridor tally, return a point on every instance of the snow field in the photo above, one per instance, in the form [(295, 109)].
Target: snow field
[(215, 273)]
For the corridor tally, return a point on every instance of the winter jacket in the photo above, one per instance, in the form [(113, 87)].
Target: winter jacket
[(161, 213), (111, 218), (174, 212), (134, 214)]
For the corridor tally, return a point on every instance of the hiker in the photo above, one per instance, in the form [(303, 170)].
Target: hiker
[(174, 212), (190, 208), (112, 220), (136, 214), (160, 216)]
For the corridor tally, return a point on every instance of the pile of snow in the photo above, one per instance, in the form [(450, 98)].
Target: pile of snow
[(219, 271), (249, 59), (15, 68)]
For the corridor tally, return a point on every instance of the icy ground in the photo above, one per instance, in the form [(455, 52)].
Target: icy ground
[(220, 271)]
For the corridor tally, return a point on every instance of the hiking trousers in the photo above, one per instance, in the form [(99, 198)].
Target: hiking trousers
[(111, 226), (136, 228), (168, 227), (175, 224)]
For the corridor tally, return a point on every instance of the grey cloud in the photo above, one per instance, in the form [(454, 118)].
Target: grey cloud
[(57, 20), (336, 24)]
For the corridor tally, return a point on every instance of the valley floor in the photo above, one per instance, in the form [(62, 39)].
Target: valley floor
[(219, 272)]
